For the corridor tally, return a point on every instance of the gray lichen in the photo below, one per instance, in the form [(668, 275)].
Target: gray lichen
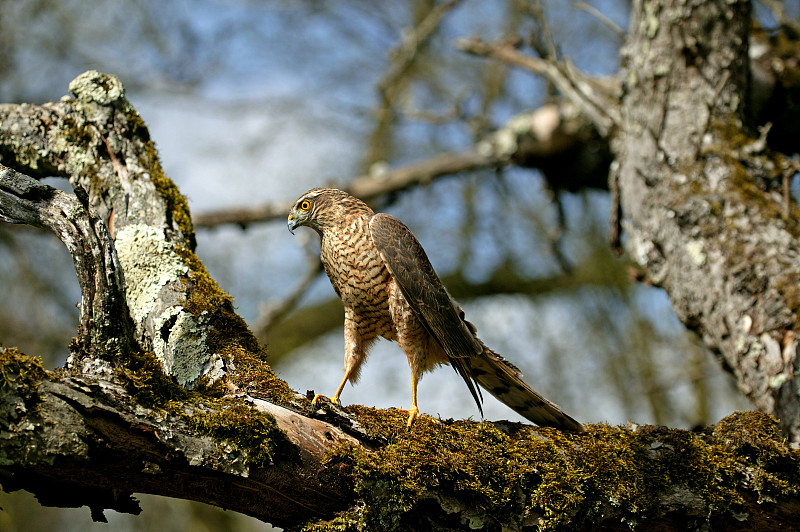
[(94, 86), (183, 352), (149, 262)]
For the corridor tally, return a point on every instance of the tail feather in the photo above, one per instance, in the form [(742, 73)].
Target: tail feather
[(504, 380)]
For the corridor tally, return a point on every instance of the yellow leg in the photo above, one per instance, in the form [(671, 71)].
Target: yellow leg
[(413, 411), (335, 398)]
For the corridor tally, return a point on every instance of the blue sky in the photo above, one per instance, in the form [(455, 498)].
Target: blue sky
[(251, 102)]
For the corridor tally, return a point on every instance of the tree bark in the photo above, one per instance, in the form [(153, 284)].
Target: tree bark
[(98, 141), (104, 326), (85, 440), (702, 195), (179, 401), (94, 441)]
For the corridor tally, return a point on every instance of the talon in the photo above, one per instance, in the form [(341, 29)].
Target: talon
[(413, 413), (315, 400)]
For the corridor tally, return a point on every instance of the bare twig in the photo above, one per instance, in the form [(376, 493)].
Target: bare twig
[(544, 44), (583, 6), (404, 56), (596, 101), (792, 168), (615, 234), (406, 53)]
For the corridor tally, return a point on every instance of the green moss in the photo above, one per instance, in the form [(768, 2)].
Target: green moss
[(254, 376), (19, 371), (176, 205), (235, 422), (20, 377), (522, 477), (205, 294), (230, 337), (788, 285), (227, 420), (754, 439), (147, 382), (755, 175)]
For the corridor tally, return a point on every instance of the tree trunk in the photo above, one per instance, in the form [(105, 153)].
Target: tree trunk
[(703, 198)]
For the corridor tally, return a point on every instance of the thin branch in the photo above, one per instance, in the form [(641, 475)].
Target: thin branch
[(544, 44), (275, 313), (583, 6), (371, 186), (596, 101), (404, 56), (244, 216), (546, 138), (406, 53), (366, 187)]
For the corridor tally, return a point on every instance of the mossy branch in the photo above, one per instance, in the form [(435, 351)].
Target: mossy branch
[(128, 229), (98, 435), (75, 441)]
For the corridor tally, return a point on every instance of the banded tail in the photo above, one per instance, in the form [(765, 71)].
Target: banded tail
[(503, 379)]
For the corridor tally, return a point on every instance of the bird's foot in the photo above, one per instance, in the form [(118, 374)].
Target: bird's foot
[(413, 413), (317, 397), (315, 400)]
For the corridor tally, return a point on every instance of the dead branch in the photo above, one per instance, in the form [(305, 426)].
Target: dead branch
[(598, 101), (104, 325)]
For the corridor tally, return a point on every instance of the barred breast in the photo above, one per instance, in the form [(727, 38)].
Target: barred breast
[(359, 276)]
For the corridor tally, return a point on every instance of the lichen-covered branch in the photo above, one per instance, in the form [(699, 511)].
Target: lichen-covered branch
[(93, 441), (703, 198), (104, 327), (99, 143)]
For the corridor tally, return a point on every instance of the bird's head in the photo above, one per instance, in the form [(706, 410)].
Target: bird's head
[(324, 208)]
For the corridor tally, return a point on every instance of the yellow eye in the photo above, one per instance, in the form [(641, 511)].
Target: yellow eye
[(305, 205)]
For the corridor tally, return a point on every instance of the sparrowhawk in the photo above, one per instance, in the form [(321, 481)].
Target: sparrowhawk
[(389, 289)]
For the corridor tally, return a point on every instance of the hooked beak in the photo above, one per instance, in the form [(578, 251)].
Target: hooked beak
[(292, 223)]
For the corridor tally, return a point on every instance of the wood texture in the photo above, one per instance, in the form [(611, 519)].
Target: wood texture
[(702, 198)]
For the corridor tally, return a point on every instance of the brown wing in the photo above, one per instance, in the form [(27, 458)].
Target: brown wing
[(409, 265)]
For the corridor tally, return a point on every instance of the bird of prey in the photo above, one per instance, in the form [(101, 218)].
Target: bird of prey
[(389, 289)]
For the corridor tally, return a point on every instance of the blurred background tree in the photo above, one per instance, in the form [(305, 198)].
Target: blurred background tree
[(253, 102)]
